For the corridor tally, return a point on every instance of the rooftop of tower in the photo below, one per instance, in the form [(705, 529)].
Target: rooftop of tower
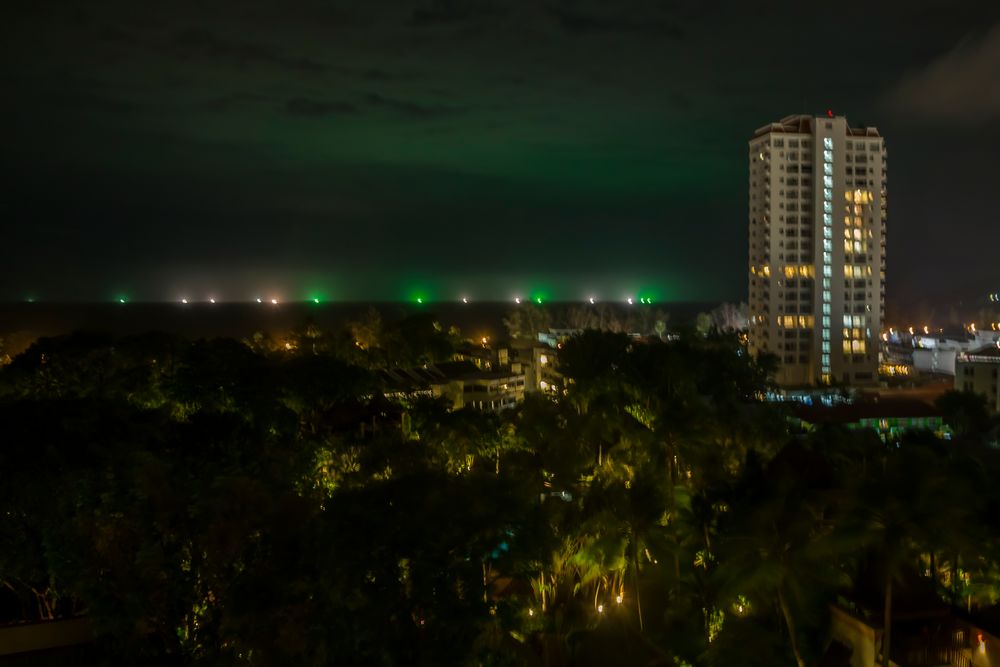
[(803, 124)]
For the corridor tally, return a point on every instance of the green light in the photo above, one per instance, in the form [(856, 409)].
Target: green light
[(315, 300), (420, 299), (538, 300), (121, 299)]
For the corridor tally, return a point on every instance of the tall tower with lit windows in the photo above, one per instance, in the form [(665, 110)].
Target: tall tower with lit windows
[(817, 213)]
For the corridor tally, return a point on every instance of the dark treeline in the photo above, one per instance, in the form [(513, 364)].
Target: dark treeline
[(262, 501)]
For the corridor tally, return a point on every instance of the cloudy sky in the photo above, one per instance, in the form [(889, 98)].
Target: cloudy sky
[(370, 148)]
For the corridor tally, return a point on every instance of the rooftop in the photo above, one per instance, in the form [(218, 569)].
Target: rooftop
[(803, 124)]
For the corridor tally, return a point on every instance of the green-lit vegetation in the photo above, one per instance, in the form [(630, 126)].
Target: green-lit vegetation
[(264, 502)]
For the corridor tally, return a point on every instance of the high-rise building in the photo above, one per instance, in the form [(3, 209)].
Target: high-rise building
[(817, 249)]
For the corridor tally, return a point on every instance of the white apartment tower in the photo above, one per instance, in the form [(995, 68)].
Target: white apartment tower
[(817, 249)]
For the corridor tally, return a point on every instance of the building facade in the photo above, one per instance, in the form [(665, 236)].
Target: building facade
[(979, 372), (817, 214)]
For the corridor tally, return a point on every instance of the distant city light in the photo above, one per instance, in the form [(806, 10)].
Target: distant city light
[(538, 299), (259, 300), (274, 302), (629, 300), (211, 300), (592, 301), (517, 300), (420, 299), (315, 300), (121, 299), (465, 299), (184, 301)]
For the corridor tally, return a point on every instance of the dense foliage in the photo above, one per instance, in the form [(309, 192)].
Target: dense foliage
[(262, 501)]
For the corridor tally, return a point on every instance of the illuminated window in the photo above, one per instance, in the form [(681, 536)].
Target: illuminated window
[(847, 347), (826, 335), (827, 207), (826, 309), (828, 169), (827, 219), (827, 271), (827, 143), (826, 346), (828, 245), (827, 181), (828, 232), (828, 156)]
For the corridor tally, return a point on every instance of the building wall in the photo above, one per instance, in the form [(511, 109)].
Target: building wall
[(817, 249), (980, 377)]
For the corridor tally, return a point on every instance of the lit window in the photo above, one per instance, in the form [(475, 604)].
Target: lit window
[(827, 219), (827, 207), (827, 181), (827, 194), (847, 347), (828, 169), (827, 143), (828, 156)]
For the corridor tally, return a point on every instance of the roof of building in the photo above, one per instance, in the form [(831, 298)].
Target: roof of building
[(988, 354), (850, 413), (441, 373), (803, 124)]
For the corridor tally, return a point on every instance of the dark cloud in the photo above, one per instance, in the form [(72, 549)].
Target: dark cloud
[(962, 86), (302, 106), (203, 44), (581, 22), (409, 108)]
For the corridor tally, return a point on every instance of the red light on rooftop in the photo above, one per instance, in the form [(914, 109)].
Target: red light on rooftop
[(829, 112)]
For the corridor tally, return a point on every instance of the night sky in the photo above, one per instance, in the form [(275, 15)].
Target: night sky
[(375, 149)]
